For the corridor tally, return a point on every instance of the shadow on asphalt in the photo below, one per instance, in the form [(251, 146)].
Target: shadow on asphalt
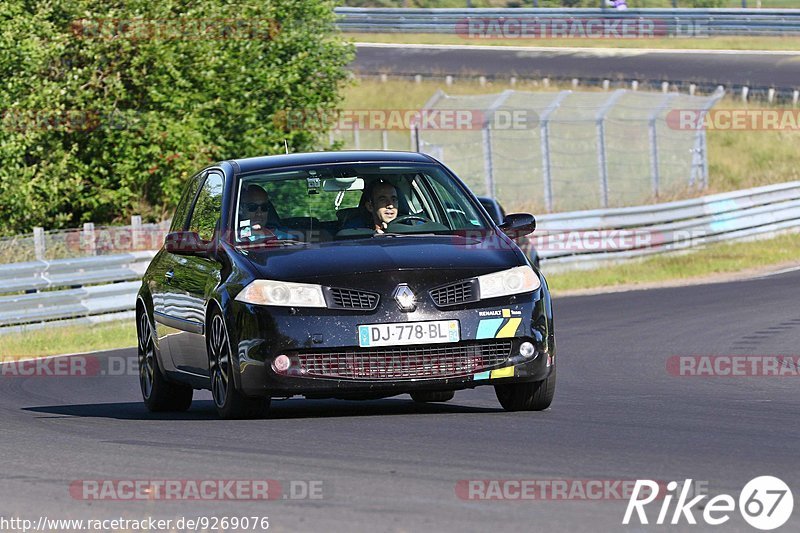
[(281, 409)]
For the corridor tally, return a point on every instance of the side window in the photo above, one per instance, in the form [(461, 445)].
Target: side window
[(460, 214), (208, 207), (181, 212)]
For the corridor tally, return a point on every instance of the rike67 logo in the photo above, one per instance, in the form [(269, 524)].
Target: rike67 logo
[(765, 503)]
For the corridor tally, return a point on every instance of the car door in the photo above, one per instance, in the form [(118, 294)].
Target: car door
[(162, 269), (191, 280)]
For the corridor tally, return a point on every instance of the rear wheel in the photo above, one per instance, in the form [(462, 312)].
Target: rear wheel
[(158, 393), (437, 396), (530, 396), (228, 400)]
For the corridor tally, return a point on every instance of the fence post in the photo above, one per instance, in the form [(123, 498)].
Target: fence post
[(653, 134), (136, 233), (39, 246), (700, 155), (488, 162), (602, 161), (384, 139), (544, 144), (88, 238), (416, 142), (356, 136), (486, 134)]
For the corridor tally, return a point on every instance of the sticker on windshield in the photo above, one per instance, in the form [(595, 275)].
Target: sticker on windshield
[(313, 185)]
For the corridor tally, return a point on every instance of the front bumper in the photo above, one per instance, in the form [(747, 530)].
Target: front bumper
[(259, 379), (317, 337)]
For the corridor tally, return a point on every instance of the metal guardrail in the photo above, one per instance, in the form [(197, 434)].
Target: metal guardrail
[(69, 288), (689, 22), (587, 239), (96, 288)]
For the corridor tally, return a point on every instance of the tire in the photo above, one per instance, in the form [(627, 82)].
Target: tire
[(437, 396), (531, 396), (229, 401), (158, 393)]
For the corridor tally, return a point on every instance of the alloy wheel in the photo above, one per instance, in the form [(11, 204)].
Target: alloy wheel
[(219, 361), (146, 352)]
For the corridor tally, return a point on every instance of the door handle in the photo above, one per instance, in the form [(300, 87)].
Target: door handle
[(169, 275)]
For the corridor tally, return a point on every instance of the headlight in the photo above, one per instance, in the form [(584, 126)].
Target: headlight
[(282, 293), (512, 281)]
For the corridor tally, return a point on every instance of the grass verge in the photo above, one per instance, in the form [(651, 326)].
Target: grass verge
[(68, 339), (708, 43), (715, 260)]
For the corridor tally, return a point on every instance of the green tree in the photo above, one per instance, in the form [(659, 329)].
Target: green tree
[(108, 106)]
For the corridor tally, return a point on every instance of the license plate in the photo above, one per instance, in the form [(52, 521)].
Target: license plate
[(434, 331)]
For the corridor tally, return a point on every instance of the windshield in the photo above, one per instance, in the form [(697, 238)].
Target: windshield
[(347, 201)]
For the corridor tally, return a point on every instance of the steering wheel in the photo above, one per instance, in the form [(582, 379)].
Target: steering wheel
[(405, 218)]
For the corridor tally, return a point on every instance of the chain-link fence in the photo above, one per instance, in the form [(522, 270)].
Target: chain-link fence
[(561, 151), (90, 240)]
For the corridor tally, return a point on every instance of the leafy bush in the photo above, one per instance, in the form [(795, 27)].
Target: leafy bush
[(107, 106)]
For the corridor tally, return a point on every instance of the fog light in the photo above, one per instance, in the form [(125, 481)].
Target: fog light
[(281, 364), (526, 350)]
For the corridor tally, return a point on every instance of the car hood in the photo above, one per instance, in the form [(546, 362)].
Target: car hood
[(382, 254)]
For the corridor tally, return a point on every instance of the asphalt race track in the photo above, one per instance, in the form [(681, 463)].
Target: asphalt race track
[(393, 465), (754, 69)]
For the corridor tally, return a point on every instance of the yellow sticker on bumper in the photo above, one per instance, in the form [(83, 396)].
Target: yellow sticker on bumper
[(507, 372), (510, 328)]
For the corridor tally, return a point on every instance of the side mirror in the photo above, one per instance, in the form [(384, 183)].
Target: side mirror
[(186, 243), (518, 225)]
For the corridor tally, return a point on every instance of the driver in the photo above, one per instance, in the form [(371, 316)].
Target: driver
[(257, 214), (381, 204)]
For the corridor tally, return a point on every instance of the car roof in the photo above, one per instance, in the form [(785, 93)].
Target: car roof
[(313, 158)]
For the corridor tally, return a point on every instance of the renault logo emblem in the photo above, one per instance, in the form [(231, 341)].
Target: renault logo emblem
[(405, 298)]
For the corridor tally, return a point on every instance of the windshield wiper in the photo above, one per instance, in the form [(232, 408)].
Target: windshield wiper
[(269, 243), (394, 234)]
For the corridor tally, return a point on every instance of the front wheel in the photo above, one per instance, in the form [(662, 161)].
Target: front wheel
[(228, 400), (158, 393), (530, 396)]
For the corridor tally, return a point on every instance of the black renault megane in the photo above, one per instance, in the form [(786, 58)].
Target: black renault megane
[(354, 275)]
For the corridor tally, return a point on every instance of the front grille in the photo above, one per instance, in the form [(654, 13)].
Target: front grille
[(352, 299), (455, 293), (424, 361)]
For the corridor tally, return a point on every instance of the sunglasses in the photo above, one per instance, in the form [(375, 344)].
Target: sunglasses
[(255, 207)]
